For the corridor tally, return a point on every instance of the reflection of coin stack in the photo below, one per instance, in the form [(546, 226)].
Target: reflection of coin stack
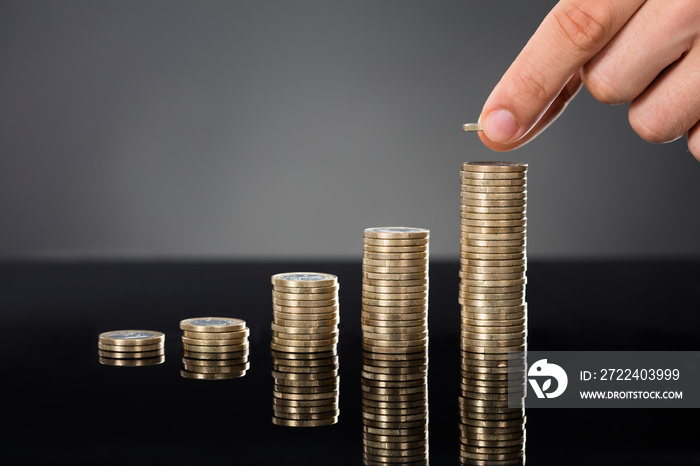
[(492, 297), (131, 348), (395, 345), (215, 348), (304, 349)]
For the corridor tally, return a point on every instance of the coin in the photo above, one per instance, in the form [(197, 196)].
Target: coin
[(306, 396), (215, 362), (479, 297), (373, 347), (488, 290), (491, 196), (393, 425), (493, 182), (316, 356), (493, 175), (393, 242), (422, 327), (212, 324), (306, 389), (307, 289), (396, 317), (396, 232), (213, 343), (498, 239), (396, 256), (392, 249), (131, 338), (494, 232), (305, 423), (296, 312), (313, 297), (304, 279), (519, 422), (288, 303), (491, 220), (303, 318), (471, 220), (475, 305), (130, 348), (211, 376), (315, 375), (302, 349), (298, 324), (393, 270), (215, 355), (494, 330), (388, 440), (132, 362), (395, 289), (216, 369), (394, 262), (378, 282), (216, 349), (305, 365), (320, 403), (490, 166), (375, 303), (131, 354), (492, 457), (244, 333), (393, 276), (389, 325), (395, 453), (301, 410), (305, 369), (396, 338), (493, 336)]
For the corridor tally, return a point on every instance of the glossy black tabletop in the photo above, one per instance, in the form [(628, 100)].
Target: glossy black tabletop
[(62, 405)]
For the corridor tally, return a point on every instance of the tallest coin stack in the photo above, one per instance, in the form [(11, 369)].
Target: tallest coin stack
[(494, 321)]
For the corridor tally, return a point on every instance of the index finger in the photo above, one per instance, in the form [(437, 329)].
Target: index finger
[(570, 35)]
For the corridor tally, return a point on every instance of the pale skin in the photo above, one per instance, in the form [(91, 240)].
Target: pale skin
[(646, 52)]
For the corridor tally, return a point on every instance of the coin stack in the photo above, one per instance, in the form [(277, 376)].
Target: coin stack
[(395, 345), (304, 347), (493, 308), (131, 348), (214, 348)]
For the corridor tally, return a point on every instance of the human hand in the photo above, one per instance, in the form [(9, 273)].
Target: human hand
[(642, 51)]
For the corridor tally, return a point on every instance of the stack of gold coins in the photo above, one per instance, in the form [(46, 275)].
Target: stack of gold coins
[(214, 348), (304, 346), (395, 345), (131, 348), (494, 322)]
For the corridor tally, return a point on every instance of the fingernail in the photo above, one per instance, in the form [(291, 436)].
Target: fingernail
[(500, 126)]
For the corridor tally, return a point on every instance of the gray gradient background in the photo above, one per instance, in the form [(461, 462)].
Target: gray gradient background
[(272, 129)]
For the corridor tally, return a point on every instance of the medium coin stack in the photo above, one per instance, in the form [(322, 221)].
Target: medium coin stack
[(214, 348), (304, 346), (395, 345), (494, 322), (131, 348)]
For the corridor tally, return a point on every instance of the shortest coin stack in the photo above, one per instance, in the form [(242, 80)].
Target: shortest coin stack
[(304, 349), (131, 348), (214, 348)]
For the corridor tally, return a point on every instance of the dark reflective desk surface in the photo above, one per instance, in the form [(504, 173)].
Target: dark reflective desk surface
[(61, 404)]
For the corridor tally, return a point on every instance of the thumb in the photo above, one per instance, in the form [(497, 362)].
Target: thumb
[(569, 36)]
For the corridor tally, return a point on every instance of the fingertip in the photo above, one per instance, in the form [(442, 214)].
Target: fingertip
[(500, 126)]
